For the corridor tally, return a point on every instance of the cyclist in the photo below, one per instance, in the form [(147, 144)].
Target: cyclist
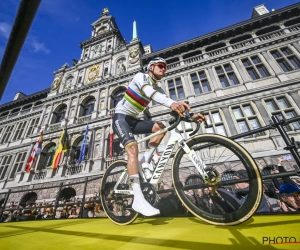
[(141, 90)]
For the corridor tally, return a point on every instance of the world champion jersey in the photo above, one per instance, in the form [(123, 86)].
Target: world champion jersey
[(141, 90)]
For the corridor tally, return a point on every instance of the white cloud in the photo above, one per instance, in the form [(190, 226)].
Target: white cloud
[(5, 30), (37, 46)]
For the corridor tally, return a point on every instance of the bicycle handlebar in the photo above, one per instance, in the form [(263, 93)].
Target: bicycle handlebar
[(187, 118)]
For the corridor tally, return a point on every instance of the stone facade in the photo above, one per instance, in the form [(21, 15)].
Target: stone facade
[(239, 76)]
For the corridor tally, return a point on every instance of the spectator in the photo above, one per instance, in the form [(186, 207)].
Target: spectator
[(242, 190), (96, 197), (290, 193)]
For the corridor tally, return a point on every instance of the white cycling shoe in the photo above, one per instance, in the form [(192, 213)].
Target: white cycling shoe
[(143, 207)]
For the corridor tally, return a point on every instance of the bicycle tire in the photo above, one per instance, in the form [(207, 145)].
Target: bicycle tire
[(113, 172), (238, 214)]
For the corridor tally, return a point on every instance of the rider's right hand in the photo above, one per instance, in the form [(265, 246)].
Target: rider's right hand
[(180, 107)]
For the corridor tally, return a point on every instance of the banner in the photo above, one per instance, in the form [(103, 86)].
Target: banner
[(63, 146), (35, 151), (83, 145)]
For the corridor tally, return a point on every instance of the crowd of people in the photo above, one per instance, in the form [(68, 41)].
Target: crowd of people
[(66, 209), (280, 195)]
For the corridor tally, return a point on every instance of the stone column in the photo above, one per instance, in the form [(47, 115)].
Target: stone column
[(216, 86), (229, 120), (96, 106), (49, 116), (65, 120), (242, 73), (296, 98), (39, 126), (105, 110), (263, 112), (73, 119), (297, 46), (188, 88), (102, 141)]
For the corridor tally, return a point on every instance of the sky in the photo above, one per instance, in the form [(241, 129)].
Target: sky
[(61, 25)]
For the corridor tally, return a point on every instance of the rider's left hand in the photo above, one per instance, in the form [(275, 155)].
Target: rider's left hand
[(199, 117)]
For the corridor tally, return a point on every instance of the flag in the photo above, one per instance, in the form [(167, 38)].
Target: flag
[(35, 151), (111, 137), (63, 146), (83, 145)]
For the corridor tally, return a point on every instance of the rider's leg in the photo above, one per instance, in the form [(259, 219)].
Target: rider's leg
[(154, 142), (139, 203)]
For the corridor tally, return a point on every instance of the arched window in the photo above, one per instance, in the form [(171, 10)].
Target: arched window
[(46, 157), (60, 114), (49, 156), (118, 96), (88, 107), (77, 149)]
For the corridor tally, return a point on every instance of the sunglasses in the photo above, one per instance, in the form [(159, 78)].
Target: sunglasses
[(162, 66)]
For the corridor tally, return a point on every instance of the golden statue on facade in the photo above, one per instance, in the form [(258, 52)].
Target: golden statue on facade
[(105, 11)]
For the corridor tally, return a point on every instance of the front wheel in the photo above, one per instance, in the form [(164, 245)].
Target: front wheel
[(234, 189)]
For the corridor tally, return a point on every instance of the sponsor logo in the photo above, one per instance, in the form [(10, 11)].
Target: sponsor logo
[(162, 162), (130, 134), (119, 128)]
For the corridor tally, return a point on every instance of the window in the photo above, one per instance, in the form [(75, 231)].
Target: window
[(246, 119), (226, 75), (281, 107), (19, 131), (5, 162), (118, 97), (49, 157), (77, 151), (60, 114), (32, 125), (255, 68), (215, 123), (200, 82), (88, 107), (286, 59), (176, 89), (7, 133), (17, 167)]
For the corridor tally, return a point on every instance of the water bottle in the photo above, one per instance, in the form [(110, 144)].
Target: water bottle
[(147, 170)]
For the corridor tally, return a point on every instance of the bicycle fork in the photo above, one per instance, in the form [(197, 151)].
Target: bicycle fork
[(199, 164)]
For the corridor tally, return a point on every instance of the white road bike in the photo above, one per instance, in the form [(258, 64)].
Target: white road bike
[(208, 159)]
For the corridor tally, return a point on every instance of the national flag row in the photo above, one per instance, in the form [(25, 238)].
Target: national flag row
[(62, 147)]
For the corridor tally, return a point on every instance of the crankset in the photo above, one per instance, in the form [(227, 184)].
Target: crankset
[(149, 192), (213, 176)]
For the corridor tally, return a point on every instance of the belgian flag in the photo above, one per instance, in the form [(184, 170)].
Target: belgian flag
[(63, 146)]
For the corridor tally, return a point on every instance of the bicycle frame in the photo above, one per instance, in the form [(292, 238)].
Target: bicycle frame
[(175, 138)]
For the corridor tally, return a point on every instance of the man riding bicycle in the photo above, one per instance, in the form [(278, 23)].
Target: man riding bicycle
[(141, 90)]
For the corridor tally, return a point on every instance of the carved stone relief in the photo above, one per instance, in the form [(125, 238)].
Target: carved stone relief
[(133, 56)]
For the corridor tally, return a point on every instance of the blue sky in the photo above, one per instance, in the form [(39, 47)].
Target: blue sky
[(60, 25)]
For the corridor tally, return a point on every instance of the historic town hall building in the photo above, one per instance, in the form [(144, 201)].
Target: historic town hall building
[(239, 76)]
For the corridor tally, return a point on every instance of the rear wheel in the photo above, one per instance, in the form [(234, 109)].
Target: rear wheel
[(229, 197), (117, 206)]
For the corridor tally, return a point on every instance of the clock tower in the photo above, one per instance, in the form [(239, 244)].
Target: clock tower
[(104, 55)]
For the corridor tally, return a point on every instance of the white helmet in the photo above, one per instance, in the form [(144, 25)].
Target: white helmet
[(156, 60)]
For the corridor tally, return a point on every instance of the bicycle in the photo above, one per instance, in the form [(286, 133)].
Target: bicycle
[(206, 157)]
